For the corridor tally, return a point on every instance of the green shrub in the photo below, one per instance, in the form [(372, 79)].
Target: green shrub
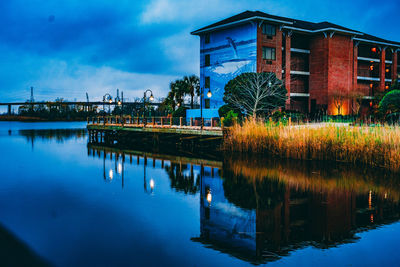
[(230, 118), (180, 112), (390, 103)]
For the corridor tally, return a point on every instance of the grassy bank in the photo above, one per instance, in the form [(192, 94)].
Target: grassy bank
[(374, 146)]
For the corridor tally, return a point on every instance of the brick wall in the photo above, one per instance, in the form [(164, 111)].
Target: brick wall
[(319, 51), (275, 42)]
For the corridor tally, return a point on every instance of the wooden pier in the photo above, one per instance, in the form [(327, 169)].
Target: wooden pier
[(155, 131)]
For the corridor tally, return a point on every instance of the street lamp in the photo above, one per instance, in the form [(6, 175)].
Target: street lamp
[(107, 98), (209, 94), (151, 98)]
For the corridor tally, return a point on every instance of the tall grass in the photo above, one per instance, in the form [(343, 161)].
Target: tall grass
[(374, 146)]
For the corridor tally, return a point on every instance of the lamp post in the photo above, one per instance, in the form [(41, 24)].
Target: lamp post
[(209, 94), (107, 98), (151, 98)]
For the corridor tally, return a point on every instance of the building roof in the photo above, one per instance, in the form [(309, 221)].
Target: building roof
[(291, 24)]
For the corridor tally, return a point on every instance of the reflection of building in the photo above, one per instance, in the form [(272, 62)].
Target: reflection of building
[(313, 59), (260, 221)]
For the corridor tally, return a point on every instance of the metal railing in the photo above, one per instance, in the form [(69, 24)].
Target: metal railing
[(158, 122)]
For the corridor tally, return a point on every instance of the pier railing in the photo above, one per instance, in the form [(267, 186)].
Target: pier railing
[(158, 122)]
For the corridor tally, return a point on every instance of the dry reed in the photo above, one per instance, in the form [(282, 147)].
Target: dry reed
[(374, 146)]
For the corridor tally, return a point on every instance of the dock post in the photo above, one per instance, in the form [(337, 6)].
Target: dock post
[(202, 123), (162, 121), (222, 123), (137, 120), (212, 122), (98, 120), (170, 121), (153, 121), (87, 120), (191, 122), (290, 121), (180, 121)]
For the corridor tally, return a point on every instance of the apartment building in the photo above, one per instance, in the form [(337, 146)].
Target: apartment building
[(317, 61)]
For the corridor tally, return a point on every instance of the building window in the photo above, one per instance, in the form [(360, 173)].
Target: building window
[(268, 53), (207, 82), (207, 38), (207, 103), (269, 30), (207, 60)]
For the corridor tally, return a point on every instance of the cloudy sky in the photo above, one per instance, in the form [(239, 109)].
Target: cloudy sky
[(67, 48)]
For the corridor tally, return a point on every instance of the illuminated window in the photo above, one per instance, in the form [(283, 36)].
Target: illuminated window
[(268, 53), (207, 82), (207, 60), (269, 30)]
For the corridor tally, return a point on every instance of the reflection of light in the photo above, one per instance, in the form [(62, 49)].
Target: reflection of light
[(370, 199), (111, 174), (151, 184), (385, 195), (371, 218), (119, 168), (209, 197)]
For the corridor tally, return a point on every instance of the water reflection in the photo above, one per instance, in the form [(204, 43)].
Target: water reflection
[(261, 210), (59, 135)]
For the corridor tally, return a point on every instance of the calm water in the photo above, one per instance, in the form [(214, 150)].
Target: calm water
[(66, 203)]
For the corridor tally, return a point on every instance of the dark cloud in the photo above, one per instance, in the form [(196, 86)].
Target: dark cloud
[(78, 41)]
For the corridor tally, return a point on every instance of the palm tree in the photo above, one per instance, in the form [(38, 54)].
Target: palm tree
[(193, 87)]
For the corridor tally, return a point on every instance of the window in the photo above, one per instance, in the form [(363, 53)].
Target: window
[(268, 53), (207, 60), (207, 38), (207, 82), (207, 103), (269, 29)]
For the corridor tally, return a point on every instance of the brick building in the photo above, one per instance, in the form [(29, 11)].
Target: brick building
[(317, 61)]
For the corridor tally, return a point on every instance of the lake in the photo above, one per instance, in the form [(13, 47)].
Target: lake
[(65, 202)]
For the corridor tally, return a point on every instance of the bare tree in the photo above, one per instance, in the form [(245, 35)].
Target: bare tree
[(255, 93), (356, 98), (339, 96)]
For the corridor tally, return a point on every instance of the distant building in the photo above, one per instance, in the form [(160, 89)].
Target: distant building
[(315, 60)]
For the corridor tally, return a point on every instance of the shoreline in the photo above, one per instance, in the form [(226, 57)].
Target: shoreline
[(36, 119)]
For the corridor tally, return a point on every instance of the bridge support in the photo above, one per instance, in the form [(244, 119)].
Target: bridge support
[(9, 109)]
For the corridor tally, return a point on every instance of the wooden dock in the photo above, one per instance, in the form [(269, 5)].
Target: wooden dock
[(182, 132)]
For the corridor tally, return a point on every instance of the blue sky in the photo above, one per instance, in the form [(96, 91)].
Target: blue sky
[(66, 48)]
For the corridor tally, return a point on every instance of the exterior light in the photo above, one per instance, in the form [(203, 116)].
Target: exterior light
[(371, 67), (387, 87), (209, 94), (269, 83), (178, 105), (110, 101), (119, 103), (370, 104), (371, 85), (209, 197), (151, 184), (373, 49), (151, 97), (387, 70)]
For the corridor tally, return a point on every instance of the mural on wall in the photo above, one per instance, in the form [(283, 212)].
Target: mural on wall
[(232, 52)]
